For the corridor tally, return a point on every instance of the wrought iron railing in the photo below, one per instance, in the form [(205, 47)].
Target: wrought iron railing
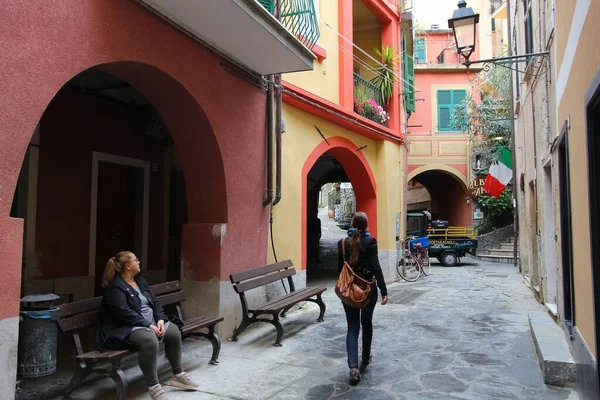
[(495, 5), (298, 16), (366, 87)]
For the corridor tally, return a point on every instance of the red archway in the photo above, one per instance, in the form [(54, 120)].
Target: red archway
[(359, 172)]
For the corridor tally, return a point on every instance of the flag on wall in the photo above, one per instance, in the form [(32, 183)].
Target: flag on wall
[(500, 174)]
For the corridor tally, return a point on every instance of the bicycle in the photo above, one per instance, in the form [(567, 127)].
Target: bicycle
[(415, 260)]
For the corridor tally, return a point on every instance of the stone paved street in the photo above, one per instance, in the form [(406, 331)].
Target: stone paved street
[(461, 333)]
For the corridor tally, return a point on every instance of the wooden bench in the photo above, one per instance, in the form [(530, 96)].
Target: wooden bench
[(262, 276), (79, 315)]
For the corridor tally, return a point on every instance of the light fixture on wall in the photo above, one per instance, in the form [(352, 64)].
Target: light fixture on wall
[(464, 27)]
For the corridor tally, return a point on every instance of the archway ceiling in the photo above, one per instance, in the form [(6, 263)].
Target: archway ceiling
[(104, 85), (327, 169), (430, 178)]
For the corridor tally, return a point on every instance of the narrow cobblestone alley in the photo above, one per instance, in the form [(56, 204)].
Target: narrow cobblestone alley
[(461, 333)]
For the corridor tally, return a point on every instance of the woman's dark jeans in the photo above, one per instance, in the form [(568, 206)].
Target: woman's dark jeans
[(356, 318)]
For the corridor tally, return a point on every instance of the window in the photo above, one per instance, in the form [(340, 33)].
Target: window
[(420, 51), (527, 9), (447, 102)]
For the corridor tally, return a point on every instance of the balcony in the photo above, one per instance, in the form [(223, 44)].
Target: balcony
[(366, 87), (246, 32), (498, 9), (364, 94), (298, 16)]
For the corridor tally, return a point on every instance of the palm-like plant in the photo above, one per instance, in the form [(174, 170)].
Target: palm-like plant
[(386, 77)]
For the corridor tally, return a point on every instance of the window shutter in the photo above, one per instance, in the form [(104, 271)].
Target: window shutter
[(409, 83), (444, 101), (420, 51)]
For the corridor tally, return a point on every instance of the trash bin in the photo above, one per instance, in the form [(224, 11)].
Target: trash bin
[(38, 335)]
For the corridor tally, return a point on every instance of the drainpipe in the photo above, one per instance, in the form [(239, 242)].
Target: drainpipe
[(278, 125), (512, 142), (269, 134), (278, 134)]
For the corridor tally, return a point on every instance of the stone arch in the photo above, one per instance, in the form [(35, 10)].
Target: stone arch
[(447, 187), (359, 172), (453, 172)]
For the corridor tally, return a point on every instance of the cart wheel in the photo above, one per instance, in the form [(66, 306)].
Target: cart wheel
[(449, 259)]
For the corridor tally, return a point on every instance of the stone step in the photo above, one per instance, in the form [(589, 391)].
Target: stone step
[(556, 361), (501, 252), (507, 246), (496, 258)]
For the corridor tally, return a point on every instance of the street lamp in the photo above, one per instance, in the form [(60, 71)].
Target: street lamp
[(464, 26)]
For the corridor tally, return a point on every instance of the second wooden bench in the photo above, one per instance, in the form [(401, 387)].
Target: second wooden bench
[(262, 276)]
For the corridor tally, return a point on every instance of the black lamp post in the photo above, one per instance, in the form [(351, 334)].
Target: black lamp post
[(464, 26)]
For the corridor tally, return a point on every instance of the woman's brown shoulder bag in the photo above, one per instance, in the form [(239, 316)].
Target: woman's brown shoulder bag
[(351, 288)]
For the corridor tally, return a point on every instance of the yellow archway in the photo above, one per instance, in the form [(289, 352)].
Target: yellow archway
[(456, 174)]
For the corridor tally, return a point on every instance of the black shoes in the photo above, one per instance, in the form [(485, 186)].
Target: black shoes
[(366, 361), (354, 376)]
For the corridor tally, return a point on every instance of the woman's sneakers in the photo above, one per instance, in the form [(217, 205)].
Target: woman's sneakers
[(354, 376), (157, 392), (182, 381)]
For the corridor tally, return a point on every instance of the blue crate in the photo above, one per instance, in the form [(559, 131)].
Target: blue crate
[(423, 240)]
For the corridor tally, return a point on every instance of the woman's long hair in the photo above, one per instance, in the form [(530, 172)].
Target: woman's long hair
[(360, 222), (115, 265)]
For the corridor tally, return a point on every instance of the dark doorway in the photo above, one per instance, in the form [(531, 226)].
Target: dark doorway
[(330, 205), (565, 231), (120, 212), (593, 136)]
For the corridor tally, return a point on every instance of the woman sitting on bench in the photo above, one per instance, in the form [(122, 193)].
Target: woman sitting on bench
[(131, 316)]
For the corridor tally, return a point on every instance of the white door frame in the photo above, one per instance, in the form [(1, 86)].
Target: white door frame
[(98, 157)]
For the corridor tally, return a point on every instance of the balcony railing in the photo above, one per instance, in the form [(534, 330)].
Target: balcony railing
[(495, 5), (366, 87), (298, 16)]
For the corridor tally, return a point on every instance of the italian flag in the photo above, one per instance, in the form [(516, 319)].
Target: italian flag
[(500, 174)]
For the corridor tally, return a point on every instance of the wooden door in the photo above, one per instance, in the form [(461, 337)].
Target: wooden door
[(119, 213)]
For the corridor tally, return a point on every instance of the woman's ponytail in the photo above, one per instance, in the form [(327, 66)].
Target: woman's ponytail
[(114, 264), (360, 222), (354, 248)]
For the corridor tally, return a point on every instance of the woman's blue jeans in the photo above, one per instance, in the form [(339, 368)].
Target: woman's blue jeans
[(356, 318)]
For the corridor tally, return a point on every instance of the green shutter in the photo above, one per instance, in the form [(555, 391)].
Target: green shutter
[(420, 51), (409, 83), (444, 104), (447, 102)]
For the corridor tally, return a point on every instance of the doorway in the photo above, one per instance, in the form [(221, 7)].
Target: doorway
[(593, 146), (565, 231), (549, 242), (119, 212)]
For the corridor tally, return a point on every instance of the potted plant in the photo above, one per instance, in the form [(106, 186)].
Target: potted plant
[(386, 77)]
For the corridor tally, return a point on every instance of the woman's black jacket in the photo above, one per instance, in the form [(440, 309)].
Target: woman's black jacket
[(121, 310), (368, 260)]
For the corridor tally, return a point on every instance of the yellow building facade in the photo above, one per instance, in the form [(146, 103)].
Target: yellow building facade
[(326, 141)]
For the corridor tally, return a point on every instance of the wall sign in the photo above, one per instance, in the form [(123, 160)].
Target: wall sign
[(476, 189)]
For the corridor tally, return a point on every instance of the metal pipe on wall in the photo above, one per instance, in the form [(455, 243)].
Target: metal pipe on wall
[(269, 135), (513, 147), (278, 136)]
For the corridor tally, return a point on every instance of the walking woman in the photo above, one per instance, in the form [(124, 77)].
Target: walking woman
[(132, 317), (361, 253)]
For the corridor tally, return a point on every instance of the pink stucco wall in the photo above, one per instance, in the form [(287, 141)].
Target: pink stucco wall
[(438, 42), (217, 120), (424, 81)]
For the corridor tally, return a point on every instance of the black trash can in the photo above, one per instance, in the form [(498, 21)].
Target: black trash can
[(38, 335)]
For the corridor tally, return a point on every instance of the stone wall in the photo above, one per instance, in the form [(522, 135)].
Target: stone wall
[(494, 238)]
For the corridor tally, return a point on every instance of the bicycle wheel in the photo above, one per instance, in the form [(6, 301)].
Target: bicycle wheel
[(426, 262), (408, 268)]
